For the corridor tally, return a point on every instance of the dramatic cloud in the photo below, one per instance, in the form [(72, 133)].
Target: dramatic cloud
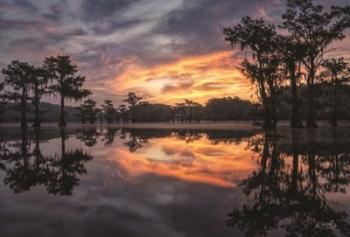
[(114, 41), (195, 77)]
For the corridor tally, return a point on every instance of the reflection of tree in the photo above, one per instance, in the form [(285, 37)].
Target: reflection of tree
[(264, 186), (88, 136), (293, 195), (189, 135), (134, 142), (109, 136), (26, 167), (335, 167), (3, 152), (66, 168), (21, 176)]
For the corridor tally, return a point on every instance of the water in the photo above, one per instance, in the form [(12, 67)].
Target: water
[(157, 182)]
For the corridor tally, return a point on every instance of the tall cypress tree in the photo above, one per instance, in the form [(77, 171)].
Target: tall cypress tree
[(18, 76), (66, 83), (133, 100), (316, 28), (39, 85), (336, 73), (260, 39), (292, 53)]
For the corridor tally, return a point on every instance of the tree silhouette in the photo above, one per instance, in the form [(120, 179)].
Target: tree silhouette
[(316, 28), (292, 53), (18, 75), (147, 112), (193, 110), (109, 111), (180, 112), (39, 85), (88, 111), (229, 108), (188, 111), (2, 99), (132, 100), (65, 81), (122, 112), (262, 69), (336, 73)]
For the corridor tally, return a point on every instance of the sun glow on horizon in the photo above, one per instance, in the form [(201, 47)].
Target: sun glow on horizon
[(199, 161), (196, 78)]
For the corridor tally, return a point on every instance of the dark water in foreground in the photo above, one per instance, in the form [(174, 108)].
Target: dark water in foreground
[(148, 182)]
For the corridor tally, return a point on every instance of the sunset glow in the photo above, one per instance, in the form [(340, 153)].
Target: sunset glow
[(198, 78), (200, 161), (165, 52)]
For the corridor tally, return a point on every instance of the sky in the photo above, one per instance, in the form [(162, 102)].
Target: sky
[(164, 50)]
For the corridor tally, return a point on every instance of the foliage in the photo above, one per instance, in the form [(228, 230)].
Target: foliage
[(228, 108), (316, 28), (18, 76), (146, 112), (88, 111), (65, 81), (291, 55), (109, 111), (132, 100), (39, 86), (262, 69), (188, 111), (336, 73)]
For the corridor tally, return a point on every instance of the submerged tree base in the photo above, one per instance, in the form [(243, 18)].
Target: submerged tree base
[(62, 124), (296, 124), (311, 124)]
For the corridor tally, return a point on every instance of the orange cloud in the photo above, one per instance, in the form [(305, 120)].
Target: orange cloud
[(197, 78)]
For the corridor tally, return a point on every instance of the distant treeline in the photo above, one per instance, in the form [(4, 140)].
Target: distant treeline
[(48, 113), (216, 109)]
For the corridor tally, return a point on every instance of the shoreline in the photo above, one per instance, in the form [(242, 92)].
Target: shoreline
[(222, 125)]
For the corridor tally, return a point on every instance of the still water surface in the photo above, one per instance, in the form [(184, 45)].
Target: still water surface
[(182, 183)]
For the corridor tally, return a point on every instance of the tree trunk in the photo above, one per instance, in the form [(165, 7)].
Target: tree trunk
[(311, 160), (63, 144), (37, 116), (62, 119), (83, 119), (262, 91), (273, 106), (267, 117), (295, 168), (264, 155), (24, 146), (296, 119), (36, 107), (311, 112), (23, 106), (132, 114), (334, 122)]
